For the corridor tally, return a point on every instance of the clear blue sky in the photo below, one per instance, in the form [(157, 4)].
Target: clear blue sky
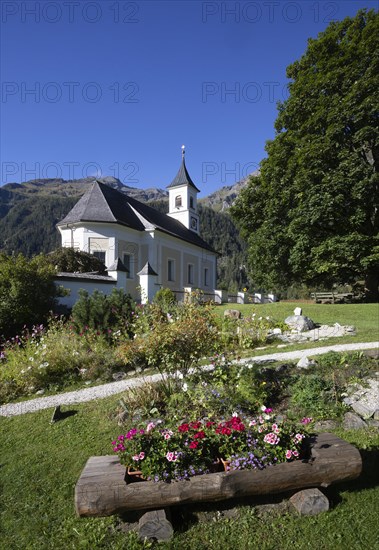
[(116, 88)]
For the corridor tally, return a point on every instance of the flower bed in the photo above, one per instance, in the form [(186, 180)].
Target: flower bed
[(192, 448)]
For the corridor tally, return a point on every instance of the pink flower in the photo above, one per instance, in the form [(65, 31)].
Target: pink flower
[(288, 454), (295, 453), (135, 457), (171, 457), (271, 438), (167, 434), (141, 455), (252, 422), (299, 437), (150, 427)]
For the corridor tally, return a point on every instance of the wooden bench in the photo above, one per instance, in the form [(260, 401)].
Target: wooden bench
[(332, 297), (102, 490)]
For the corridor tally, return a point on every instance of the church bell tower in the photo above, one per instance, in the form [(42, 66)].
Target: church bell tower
[(182, 194)]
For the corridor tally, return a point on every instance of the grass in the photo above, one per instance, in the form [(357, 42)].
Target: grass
[(365, 317), (41, 463)]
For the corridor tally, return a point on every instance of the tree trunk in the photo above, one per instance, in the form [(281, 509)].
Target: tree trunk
[(371, 285), (102, 491)]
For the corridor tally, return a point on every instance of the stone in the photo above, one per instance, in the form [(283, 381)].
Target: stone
[(277, 330), (232, 313), (299, 323), (305, 363), (376, 414), (352, 421), (117, 376), (310, 502), (122, 418), (373, 423), (40, 392), (364, 399), (325, 426), (374, 353), (297, 311)]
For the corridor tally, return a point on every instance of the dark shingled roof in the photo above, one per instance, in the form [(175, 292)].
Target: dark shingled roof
[(147, 270), (102, 203), (118, 266), (86, 277), (182, 178)]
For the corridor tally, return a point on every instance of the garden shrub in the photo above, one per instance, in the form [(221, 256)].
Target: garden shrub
[(172, 342), (52, 358), (104, 313), (165, 299), (248, 332), (315, 396)]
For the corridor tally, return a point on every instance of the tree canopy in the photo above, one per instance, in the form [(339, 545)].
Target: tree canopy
[(27, 292), (312, 214)]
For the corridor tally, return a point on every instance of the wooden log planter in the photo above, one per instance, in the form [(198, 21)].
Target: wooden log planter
[(102, 491)]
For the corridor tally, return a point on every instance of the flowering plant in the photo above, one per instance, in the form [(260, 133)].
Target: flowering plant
[(195, 447)]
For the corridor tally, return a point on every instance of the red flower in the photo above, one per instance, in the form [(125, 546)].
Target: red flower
[(193, 444), (195, 425), (199, 435), (209, 424), (183, 428)]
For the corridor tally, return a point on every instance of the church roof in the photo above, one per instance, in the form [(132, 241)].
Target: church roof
[(147, 270), (103, 204), (182, 177)]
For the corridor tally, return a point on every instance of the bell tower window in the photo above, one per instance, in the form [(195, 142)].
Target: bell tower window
[(178, 201), (191, 202)]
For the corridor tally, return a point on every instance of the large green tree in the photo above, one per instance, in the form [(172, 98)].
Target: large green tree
[(312, 214), (27, 292)]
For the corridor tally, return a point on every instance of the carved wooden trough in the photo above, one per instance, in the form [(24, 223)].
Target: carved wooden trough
[(102, 491)]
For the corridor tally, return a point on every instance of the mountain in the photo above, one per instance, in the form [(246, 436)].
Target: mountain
[(29, 212), (222, 199)]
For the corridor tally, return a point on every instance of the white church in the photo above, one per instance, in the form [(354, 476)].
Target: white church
[(143, 249)]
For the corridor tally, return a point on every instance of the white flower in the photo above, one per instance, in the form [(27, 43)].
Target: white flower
[(179, 375), (266, 416), (263, 408), (31, 359), (185, 387), (235, 414)]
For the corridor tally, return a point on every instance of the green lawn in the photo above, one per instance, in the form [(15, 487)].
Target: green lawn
[(40, 464), (365, 317)]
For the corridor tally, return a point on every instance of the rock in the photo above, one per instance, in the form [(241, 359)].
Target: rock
[(352, 421), (376, 414), (374, 353), (300, 323), (277, 331), (118, 376), (373, 423), (305, 363), (122, 418), (232, 313), (297, 311), (325, 426), (40, 392), (310, 502), (364, 399)]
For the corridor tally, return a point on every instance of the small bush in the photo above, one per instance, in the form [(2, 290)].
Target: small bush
[(104, 313), (165, 299)]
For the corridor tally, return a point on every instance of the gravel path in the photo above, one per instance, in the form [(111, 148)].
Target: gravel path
[(113, 388)]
